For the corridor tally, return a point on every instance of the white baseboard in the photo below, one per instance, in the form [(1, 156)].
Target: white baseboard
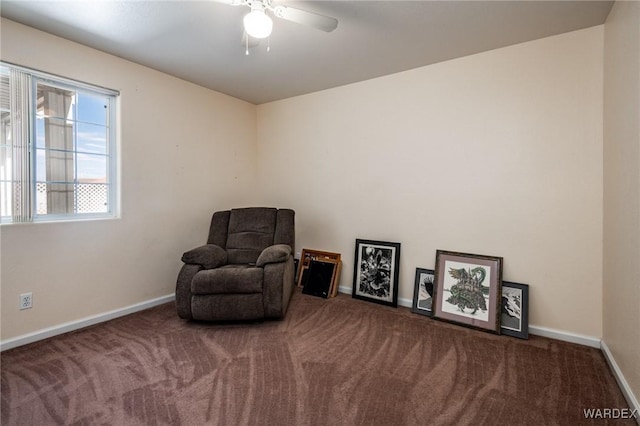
[(622, 382), (565, 336), (45, 333)]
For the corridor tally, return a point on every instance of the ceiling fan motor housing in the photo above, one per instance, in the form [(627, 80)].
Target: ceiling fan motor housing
[(256, 23)]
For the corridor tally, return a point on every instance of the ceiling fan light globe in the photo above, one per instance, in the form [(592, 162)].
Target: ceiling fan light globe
[(257, 24)]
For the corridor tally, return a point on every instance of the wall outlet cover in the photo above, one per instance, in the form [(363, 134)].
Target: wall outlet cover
[(26, 301)]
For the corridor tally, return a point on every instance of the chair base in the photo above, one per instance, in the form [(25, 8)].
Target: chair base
[(227, 307)]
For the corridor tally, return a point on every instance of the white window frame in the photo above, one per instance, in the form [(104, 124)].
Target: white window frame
[(112, 154)]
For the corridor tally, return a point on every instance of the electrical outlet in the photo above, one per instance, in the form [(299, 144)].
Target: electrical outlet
[(26, 301)]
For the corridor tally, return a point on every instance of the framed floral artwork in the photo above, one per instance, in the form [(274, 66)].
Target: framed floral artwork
[(375, 273)]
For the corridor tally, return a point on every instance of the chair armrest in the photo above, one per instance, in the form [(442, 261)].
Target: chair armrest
[(209, 256), (274, 254)]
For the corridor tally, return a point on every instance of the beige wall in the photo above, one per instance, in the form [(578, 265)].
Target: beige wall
[(622, 189), (498, 153), (185, 151)]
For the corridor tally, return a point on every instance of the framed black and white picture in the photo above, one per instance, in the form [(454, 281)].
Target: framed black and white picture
[(467, 289), (514, 318), (423, 292), (375, 273)]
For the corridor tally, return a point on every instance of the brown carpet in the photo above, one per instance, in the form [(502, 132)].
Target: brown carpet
[(330, 362)]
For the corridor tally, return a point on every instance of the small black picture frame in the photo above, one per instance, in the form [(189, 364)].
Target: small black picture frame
[(319, 277), (514, 314), (423, 292)]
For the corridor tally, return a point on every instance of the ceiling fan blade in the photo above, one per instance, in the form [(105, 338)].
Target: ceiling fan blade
[(321, 22), (230, 2)]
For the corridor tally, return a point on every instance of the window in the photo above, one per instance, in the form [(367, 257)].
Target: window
[(57, 148)]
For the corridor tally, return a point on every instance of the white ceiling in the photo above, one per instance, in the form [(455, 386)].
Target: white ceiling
[(199, 41)]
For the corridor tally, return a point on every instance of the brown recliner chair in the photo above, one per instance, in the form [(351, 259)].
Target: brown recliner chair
[(244, 272)]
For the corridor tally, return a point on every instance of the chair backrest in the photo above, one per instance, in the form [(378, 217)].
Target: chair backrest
[(244, 233)]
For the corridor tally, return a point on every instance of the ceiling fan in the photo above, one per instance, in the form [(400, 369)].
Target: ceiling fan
[(258, 24)]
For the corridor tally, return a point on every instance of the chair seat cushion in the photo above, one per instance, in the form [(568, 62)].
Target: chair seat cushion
[(230, 279)]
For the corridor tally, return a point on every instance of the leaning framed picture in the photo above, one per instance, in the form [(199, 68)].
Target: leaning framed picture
[(305, 261), (514, 318), (375, 272), (321, 277), (468, 289), (423, 292)]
